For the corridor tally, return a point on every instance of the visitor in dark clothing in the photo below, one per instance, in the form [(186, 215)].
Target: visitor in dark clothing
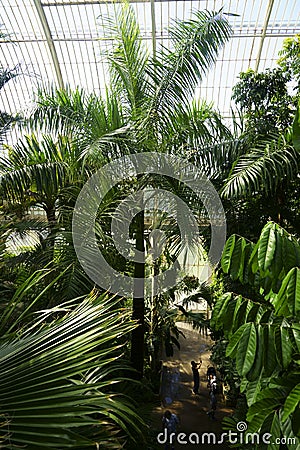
[(196, 377)]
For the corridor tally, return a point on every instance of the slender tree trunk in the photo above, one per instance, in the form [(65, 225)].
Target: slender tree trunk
[(157, 350), (50, 213), (138, 307), (50, 242)]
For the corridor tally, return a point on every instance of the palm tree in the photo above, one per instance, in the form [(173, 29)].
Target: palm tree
[(156, 93), (148, 107)]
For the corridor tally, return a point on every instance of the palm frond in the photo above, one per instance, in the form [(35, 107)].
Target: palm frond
[(46, 393), (93, 124), (127, 60), (175, 73), (193, 126), (262, 168)]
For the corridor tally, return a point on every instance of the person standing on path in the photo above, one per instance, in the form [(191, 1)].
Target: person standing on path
[(170, 422), (196, 377), (212, 386)]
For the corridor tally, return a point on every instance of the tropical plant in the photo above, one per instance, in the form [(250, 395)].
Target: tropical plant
[(264, 101), (148, 107), (289, 58), (263, 182), (269, 154), (58, 372), (263, 331), (156, 93), (6, 74)]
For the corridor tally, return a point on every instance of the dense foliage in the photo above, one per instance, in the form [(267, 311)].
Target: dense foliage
[(263, 331), (65, 346)]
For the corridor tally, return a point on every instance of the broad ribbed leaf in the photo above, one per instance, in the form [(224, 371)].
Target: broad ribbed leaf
[(291, 250), (252, 391), (227, 253), (258, 412), (219, 310), (234, 341), (296, 335), (283, 345), (293, 442), (246, 349), (237, 259), (291, 402), (269, 351), (272, 427), (257, 367), (267, 247), (287, 301), (238, 303)]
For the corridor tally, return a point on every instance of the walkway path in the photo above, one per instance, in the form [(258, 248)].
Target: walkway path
[(190, 408)]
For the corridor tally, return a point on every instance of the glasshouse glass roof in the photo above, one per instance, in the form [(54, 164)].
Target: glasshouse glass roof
[(61, 42)]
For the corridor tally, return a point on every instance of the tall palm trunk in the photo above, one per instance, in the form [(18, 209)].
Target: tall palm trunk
[(52, 222), (138, 306)]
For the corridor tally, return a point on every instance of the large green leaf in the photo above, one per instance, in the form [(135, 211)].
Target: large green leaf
[(234, 341), (287, 301), (291, 402), (227, 253), (283, 345), (257, 367), (271, 427), (292, 441), (267, 247), (219, 310), (246, 349), (269, 357), (252, 391)]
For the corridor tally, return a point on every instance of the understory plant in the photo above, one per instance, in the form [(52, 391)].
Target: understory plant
[(60, 371), (263, 332)]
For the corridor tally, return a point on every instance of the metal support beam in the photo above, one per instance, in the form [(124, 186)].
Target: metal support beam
[(47, 32), (153, 24), (91, 2), (264, 32)]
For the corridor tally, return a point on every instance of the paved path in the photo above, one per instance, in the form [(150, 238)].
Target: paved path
[(190, 408)]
